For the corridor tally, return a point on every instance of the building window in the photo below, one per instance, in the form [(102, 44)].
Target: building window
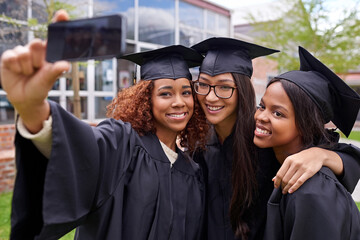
[(157, 21), (100, 106), (126, 70), (104, 76), (83, 106), (125, 7)]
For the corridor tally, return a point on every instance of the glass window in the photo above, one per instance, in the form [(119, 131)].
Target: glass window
[(126, 70), (210, 20), (15, 9), (56, 85), (55, 99), (157, 21), (7, 113), (191, 15), (104, 75), (125, 7), (82, 77), (100, 106), (83, 106), (224, 26), (189, 37)]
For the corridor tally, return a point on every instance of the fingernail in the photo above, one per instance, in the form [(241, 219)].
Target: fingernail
[(291, 191), (273, 179)]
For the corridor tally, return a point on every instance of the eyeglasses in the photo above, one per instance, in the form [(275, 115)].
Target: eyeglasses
[(221, 91)]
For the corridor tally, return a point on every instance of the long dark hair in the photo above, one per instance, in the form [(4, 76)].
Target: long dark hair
[(312, 130), (243, 175)]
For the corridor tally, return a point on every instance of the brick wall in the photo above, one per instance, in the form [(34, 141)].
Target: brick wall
[(7, 154)]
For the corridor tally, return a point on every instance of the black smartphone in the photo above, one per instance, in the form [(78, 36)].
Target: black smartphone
[(92, 38)]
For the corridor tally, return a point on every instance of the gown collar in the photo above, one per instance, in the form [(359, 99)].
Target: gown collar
[(183, 163)]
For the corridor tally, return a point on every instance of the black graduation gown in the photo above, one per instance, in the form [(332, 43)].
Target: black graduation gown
[(216, 162), (321, 209), (107, 180)]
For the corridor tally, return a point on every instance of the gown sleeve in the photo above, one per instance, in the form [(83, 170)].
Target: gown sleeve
[(51, 197), (350, 156), (320, 209)]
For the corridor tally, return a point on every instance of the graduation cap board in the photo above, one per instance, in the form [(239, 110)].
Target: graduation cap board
[(169, 62), (223, 55), (337, 101)]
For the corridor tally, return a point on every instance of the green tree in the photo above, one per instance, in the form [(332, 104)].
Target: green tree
[(310, 24), (51, 6)]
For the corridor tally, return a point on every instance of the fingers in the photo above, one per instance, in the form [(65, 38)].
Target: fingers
[(60, 15), (280, 174), (25, 60), (9, 61), (38, 52), (295, 170), (58, 68), (299, 182)]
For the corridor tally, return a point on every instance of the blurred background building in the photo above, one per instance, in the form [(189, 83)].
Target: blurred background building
[(150, 24)]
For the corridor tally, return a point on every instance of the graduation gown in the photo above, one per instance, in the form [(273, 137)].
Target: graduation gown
[(321, 209), (107, 180), (216, 162)]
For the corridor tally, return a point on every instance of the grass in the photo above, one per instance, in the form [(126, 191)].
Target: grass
[(5, 208), (354, 135), (5, 203)]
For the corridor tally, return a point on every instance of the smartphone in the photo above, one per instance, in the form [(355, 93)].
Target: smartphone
[(83, 39)]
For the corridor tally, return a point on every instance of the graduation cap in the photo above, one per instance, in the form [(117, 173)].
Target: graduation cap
[(337, 101), (169, 62), (223, 55)]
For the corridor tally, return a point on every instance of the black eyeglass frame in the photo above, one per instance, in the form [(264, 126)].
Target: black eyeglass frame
[(213, 86)]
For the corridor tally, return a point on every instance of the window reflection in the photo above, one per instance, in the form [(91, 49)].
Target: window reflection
[(7, 113), (126, 70), (189, 37), (82, 77), (100, 106), (211, 20), (55, 99), (125, 7), (224, 25), (157, 21), (191, 15), (104, 75), (83, 106)]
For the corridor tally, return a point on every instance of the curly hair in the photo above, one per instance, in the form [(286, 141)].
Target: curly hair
[(134, 105)]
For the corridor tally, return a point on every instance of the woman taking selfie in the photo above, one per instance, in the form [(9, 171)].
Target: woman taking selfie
[(123, 179)]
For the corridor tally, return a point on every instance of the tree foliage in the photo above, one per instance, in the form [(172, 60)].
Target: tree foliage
[(312, 25), (39, 28)]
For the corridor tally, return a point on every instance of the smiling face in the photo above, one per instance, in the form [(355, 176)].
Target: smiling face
[(172, 106), (219, 112), (275, 123)]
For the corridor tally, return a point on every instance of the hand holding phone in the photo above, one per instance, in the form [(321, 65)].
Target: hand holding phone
[(93, 38)]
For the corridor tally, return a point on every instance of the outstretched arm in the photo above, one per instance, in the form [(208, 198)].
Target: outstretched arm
[(27, 78)]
